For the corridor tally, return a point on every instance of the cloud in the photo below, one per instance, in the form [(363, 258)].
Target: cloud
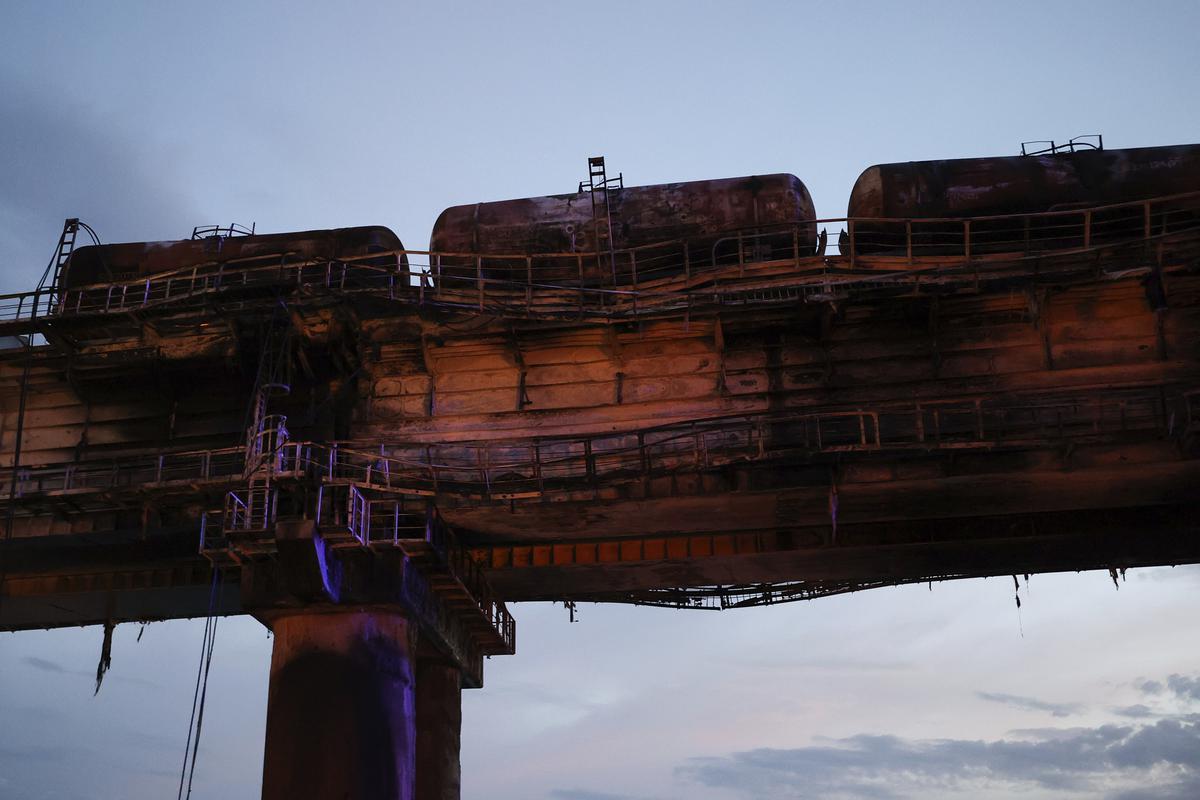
[(584, 794), (1183, 687), (43, 664), (72, 159), (1162, 757), (1032, 704), (824, 664), (1137, 711)]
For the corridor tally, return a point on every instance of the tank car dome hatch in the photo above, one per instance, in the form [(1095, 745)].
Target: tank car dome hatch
[(97, 264), (702, 214), (966, 188)]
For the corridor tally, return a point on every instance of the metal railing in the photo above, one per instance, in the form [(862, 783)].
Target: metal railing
[(249, 510), (737, 266), (396, 521), (502, 470)]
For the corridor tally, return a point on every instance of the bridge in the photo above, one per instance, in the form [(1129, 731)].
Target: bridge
[(372, 455)]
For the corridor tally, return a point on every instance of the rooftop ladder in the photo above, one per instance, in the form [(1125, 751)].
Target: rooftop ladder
[(62, 257), (598, 186)]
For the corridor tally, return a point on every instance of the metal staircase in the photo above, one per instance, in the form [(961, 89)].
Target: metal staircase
[(249, 514)]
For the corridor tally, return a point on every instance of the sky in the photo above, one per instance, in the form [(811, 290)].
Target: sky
[(146, 119)]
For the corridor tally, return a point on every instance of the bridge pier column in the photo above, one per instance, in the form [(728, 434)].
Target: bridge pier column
[(439, 727), (341, 710)]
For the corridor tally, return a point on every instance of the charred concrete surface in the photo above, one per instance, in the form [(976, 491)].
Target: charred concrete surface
[(341, 718), (373, 449)]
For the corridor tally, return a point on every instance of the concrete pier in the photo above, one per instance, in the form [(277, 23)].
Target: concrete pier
[(341, 710), (439, 728)]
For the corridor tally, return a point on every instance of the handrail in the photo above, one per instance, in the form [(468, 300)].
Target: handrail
[(213, 267), (933, 250), (517, 468)]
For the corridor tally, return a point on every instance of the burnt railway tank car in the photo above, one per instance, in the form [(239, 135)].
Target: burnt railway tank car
[(971, 188), (650, 226), (108, 263)]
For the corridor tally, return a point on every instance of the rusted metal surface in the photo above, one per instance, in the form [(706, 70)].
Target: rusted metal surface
[(698, 212), (916, 387), (967, 187), (983, 187), (114, 262)]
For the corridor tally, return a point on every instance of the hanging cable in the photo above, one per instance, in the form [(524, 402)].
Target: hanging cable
[(199, 694)]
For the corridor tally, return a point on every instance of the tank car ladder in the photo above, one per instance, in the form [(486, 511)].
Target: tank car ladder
[(597, 187), (62, 257)]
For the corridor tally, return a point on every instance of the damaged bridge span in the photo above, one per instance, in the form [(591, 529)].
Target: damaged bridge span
[(374, 448)]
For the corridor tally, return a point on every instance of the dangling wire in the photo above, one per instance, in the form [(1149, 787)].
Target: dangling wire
[(201, 690)]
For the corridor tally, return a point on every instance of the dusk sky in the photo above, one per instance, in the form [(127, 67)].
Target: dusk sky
[(146, 119)]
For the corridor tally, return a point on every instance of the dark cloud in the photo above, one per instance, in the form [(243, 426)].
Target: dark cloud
[(1032, 704), (42, 664), (1137, 711), (1182, 687), (1187, 789), (1185, 687), (45, 665), (68, 159), (884, 767), (825, 664)]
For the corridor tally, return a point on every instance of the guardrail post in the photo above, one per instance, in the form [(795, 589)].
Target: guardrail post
[(528, 285), (589, 464), (1146, 219), (853, 246), (741, 257), (908, 240), (433, 476), (483, 471), (479, 278), (1087, 229), (579, 263), (537, 466), (633, 274)]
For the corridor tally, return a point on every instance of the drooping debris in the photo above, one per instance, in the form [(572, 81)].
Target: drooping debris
[(105, 655), (1112, 573)]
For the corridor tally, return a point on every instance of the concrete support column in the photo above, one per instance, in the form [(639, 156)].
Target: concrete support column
[(439, 727), (341, 719)]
